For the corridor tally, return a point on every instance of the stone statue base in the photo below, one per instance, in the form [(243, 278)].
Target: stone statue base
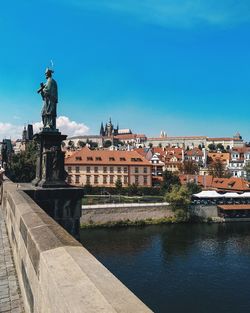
[(50, 170), (64, 205)]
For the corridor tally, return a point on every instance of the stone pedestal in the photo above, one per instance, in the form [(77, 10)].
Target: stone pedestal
[(50, 170), (64, 205), (49, 189)]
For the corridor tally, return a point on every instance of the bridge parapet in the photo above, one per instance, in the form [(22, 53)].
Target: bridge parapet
[(56, 273)]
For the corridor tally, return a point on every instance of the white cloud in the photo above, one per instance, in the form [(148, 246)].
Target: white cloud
[(71, 128), (177, 13), (65, 125), (8, 130)]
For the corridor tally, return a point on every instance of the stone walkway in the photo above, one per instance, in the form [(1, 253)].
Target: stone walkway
[(10, 295)]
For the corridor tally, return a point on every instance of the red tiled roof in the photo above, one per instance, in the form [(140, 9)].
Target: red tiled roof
[(87, 156), (241, 149), (125, 136), (204, 181), (141, 151), (224, 139), (177, 137), (207, 181), (194, 152), (214, 156)]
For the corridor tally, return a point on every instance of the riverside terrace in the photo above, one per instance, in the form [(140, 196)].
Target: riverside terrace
[(228, 206), (209, 197)]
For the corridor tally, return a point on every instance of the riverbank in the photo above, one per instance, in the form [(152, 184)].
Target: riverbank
[(142, 214), (125, 223), (108, 215)]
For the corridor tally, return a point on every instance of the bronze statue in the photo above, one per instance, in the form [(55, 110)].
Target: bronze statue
[(50, 98)]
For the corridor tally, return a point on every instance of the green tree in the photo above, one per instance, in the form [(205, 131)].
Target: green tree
[(220, 147), (107, 143), (189, 167), (71, 144), (81, 144), (217, 169), (23, 165), (132, 190), (118, 185), (211, 147), (193, 188), (88, 189), (169, 179), (179, 198)]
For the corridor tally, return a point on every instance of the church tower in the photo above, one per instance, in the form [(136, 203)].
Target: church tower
[(102, 133)]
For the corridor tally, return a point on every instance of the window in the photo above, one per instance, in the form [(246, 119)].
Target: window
[(136, 170), (136, 180), (77, 180), (96, 169), (78, 158), (77, 169), (98, 158), (118, 170), (88, 169), (96, 179), (111, 169), (125, 179), (89, 159), (69, 179), (122, 159), (145, 180), (145, 170), (105, 169), (88, 179), (111, 179), (111, 159), (69, 169), (105, 179), (125, 169)]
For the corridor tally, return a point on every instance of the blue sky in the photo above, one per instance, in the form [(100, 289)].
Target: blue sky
[(182, 66)]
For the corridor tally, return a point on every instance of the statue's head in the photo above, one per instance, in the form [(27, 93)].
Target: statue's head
[(48, 72)]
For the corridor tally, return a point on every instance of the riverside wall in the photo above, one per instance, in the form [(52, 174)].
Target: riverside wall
[(56, 273), (108, 213)]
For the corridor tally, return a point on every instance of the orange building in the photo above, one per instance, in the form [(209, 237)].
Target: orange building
[(104, 167)]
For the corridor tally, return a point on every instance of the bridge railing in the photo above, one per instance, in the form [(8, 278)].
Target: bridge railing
[(56, 273)]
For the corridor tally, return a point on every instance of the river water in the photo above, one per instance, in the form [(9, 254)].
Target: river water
[(179, 268)]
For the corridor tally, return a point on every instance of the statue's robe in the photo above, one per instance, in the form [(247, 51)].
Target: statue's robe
[(50, 97)]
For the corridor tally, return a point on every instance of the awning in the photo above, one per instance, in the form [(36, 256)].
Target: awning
[(231, 207), (232, 195), (208, 194)]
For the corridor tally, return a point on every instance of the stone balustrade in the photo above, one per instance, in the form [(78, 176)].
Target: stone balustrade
[(56, 273)]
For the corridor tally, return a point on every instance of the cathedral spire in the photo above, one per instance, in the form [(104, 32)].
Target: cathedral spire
[(102, 133)]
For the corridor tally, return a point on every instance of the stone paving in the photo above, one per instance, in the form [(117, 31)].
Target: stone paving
[(10, 295)]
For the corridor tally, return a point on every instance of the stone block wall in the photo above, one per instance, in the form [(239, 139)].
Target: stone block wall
[(56, 274), (102, 214)]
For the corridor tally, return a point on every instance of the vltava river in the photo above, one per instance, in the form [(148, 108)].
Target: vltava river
[(179, 268)]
